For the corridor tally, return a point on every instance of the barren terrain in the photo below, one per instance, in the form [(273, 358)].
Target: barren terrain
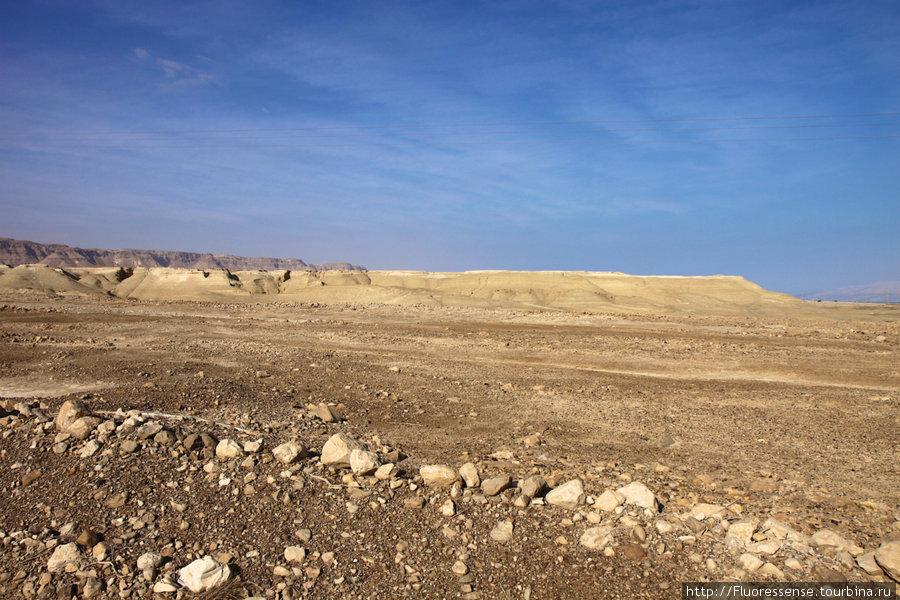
[(784, 419)]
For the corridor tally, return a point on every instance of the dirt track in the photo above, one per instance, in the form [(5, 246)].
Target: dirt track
[(795, 419)]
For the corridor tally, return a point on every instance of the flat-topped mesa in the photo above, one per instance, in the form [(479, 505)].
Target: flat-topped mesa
[(574, 291)]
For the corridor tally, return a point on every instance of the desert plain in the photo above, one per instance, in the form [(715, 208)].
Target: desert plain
[(459, 435)]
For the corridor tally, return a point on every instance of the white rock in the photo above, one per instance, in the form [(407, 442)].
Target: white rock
[(502, 532), (289, 452), (469, 474), (638, 493), (764, 547), (228, 448), (164, 587), (888, 558), (90, 449), (664, 526), (149, 560), (743, 530), (776, 528), (336, 451), (867, 563), (363, 462), (532, 486), (793, 563), (62, 556), (69, 412), (596, 538), (295, 554), (609, 500), (438, 475), (385, 472), (448, 509), (703, 511), (459, 568), (204, 574), (827, 537), (750, 562), (82, 427), (771, 570), (253, 447), (568, 495)]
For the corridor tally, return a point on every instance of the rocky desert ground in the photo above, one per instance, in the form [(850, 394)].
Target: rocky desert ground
[(364, 446)]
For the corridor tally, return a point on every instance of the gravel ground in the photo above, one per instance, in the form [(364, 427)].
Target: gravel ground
[(787, 426)]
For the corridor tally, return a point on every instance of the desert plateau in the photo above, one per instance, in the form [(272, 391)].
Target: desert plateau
[(185, 433)]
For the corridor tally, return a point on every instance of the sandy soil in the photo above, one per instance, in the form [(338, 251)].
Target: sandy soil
[(790, 417)]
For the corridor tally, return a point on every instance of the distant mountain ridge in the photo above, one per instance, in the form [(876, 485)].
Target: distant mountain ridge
[(880, 292), (23, 252)]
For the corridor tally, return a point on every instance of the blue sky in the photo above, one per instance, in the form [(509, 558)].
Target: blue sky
[(747, 138)]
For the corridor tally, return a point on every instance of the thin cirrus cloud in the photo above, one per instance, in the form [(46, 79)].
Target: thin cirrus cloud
[(179, 72)]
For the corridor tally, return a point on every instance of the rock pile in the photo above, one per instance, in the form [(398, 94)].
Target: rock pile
[(139, 543)]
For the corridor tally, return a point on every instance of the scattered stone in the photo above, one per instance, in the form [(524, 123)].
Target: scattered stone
[(90, 448), (638, 493), (704, 511), (793, 563), (294, 554), (67, 554), (633, 551), (363, 462), (81, 428), (414, 502), (609, 501), (502, 532), (888, 558), (750, 562), (496, 484), (568, 495), (228, 448), (386, 471), (324, 412), (867, 563), (771, 570), (469, 474), (289, 452), (743, 530), (30, 478), (596, 538), (448, 508), (69, 412), (336, 451), (827, 538), (149, 560), (87, 539), (438, 475), (253, 446), (148, 430), (459, 568), (532, 486), (204, 574), (164, 587), (91, 588), (129, 446)]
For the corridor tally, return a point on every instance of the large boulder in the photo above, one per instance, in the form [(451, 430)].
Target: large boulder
[(69, 412), (336, 451)]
